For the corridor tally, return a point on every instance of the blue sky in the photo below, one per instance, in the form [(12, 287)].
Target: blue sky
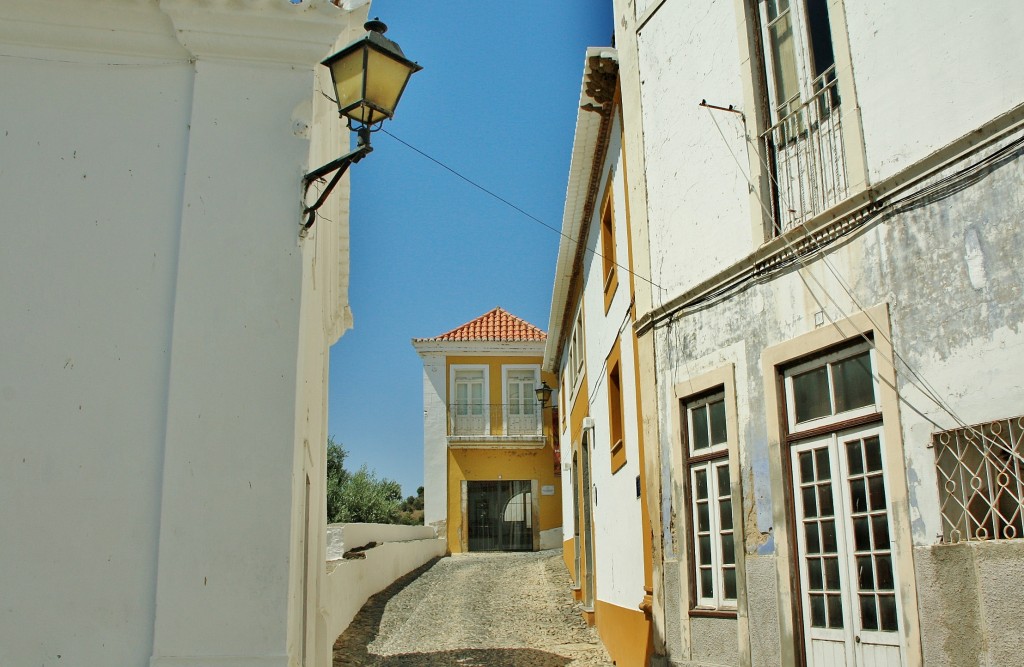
[(497, 102)]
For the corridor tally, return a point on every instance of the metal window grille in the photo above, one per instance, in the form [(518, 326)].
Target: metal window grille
[(981, 481), (806, 149)]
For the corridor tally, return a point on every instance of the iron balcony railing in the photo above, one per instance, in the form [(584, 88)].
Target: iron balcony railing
[(807, 157), (495, 419)]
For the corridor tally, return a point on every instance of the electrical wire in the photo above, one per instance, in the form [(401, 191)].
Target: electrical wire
[(508, 203), (922, 384)]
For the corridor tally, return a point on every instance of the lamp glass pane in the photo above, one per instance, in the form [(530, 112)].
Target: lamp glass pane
[(348, 77), (385, 81)]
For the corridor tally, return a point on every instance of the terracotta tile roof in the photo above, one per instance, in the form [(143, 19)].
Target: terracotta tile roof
[(496, 325)]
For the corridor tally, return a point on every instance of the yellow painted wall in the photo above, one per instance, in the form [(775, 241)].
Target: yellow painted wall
[(626, 633), (505, 464), (492, 464)]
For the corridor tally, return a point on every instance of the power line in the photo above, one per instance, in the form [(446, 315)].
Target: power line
[(513, 206)]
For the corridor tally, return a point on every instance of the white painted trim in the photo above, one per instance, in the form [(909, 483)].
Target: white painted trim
[(483, 348), (505, 368), (450, 395)]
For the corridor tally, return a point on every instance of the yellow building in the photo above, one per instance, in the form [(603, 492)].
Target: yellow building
[(490, 463)]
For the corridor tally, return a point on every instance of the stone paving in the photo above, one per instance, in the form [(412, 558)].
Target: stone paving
[(474, 610)]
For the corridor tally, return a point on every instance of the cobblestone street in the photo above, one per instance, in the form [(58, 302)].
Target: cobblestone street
[(474, 610)]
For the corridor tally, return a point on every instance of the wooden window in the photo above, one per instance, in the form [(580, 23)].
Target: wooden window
[(610, 275), (615, 421), (712, 533)]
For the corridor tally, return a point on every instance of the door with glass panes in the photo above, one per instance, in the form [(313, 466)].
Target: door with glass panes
[(845, 569)]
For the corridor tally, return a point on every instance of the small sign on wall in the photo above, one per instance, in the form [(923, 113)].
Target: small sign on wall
[(547, 490)]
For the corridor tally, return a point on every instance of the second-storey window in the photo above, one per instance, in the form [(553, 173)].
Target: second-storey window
[(713, 549), (469, 413), (804, 144), (522, 416)]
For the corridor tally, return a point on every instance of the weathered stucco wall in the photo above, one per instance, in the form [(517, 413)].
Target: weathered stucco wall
[(947, 267), (697, 191), (964, 85)]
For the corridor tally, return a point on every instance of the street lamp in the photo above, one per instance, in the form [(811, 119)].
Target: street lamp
[(369, 77), (543, 394)]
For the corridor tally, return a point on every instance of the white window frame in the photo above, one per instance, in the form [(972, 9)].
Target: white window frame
[(828, 360), (712, 458), (802, 47), (575, 356), (506, 401), (454, 371)]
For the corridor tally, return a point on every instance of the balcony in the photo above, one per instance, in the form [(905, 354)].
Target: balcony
[(808, 157), (495, 426)]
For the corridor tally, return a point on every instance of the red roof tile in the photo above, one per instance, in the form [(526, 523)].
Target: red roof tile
[(496, 325)]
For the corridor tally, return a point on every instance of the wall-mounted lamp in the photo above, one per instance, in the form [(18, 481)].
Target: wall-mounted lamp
[(369, 76), (543, 394)]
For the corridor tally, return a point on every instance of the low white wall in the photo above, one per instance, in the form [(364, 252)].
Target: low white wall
[(350, 583), (344, 536)]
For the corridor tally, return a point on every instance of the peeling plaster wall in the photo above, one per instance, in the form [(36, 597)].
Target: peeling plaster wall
[(949, 269)]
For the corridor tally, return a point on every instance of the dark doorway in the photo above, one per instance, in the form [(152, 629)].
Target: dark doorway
[(500, 516)]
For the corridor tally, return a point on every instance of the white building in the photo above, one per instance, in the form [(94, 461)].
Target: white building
[(162, 380), (592, 351), (833, 337)]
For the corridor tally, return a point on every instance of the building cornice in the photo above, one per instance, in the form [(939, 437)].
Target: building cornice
[(259, 30), (271, 31), (483, 348), (590, 145)]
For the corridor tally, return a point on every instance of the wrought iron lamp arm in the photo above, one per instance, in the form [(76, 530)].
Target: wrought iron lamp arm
[(339, 167)]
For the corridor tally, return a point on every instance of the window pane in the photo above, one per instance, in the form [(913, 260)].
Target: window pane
[(832, 574), (861, 539), (705, 549), (729, 575), (835, 611), (725, 514), (776, 7), (873, 449), (810, 505), (699, 432), (723, 478), (780, 34), (820, 35), (854, 457), (887, 612), (703, 518), (813, 541), (868, 612), (821, 462), (810, 394), (728, 549), (806, 467), (825, 500), (876, 485), (828, 537), (815, 575), (718, 435), (853, 384), (858, 495), (706, 589), (865, 573), (701, 479), (817, 611), (880, 528), (885, 579)]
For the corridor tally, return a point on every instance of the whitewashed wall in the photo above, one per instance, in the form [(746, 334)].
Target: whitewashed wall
[(435, 438), (350, 583), (914, 97), (152, 287), (710, 221)]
